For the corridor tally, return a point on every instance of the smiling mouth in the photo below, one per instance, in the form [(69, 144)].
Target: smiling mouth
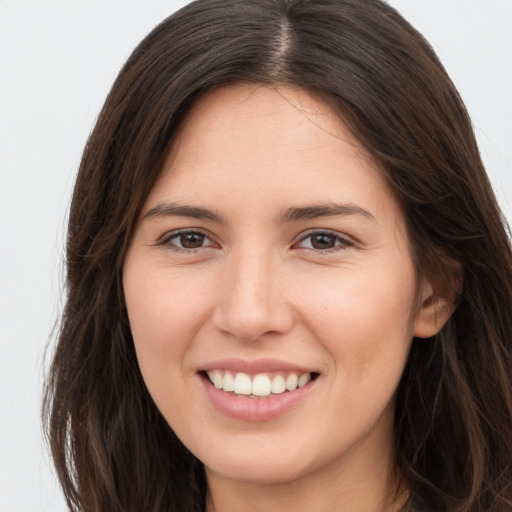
[(261, 385)]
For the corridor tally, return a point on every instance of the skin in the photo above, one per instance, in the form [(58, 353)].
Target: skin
[(256, 286)]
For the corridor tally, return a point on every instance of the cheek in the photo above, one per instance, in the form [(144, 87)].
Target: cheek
[(164, 312), (364, 319), (164, 319), (360, 299)]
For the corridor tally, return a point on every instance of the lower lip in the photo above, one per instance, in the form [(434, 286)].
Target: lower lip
[(255, 409)]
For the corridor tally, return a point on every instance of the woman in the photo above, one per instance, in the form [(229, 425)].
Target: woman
[(289, 283)]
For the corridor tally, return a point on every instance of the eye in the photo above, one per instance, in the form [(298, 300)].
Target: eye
[(323, 241), (187, 240)]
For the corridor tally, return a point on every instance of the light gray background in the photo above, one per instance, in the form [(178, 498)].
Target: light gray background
[(58, 59)]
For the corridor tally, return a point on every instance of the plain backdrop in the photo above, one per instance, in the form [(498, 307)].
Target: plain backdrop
[(58, 59)]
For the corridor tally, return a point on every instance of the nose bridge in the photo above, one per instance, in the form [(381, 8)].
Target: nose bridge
[(251, 304)]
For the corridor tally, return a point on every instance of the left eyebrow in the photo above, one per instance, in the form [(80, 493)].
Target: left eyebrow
[(324, 210)]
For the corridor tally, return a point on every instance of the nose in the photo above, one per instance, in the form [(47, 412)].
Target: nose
[(252, 299)]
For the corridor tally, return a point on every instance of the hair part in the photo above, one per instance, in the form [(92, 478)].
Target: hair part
[(112, 448)]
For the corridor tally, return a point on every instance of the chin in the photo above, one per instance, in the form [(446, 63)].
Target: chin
[(260, 472), (260, 462)]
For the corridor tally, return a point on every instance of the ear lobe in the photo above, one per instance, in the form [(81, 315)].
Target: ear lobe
[(437, 306)]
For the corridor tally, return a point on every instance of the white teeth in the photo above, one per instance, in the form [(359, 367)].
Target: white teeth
[(261, 385), (229, 382), (242, 384), (291, 382), (217, 379), (304, 379), (278, 385)]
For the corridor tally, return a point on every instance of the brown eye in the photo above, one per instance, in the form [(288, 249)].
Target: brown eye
[(191, 240), (322, 241), (188, 240)]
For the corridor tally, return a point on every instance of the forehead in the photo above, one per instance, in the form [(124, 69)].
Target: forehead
[(266, 146), (267, 121)]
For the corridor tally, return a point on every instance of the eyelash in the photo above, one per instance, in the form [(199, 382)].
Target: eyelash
[(341, 242)]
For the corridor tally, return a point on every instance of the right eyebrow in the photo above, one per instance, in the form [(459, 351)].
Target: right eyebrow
[(164, 209)]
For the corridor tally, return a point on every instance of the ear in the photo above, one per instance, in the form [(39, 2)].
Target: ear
[(437, 305)]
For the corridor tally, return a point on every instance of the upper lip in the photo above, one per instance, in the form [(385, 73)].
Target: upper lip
[(255, 366)]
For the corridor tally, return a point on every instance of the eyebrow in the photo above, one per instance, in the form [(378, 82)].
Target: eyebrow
[(195, 212), (291, 214), (324, 210)]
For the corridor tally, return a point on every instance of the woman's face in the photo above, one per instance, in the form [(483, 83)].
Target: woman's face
[(271, 251)]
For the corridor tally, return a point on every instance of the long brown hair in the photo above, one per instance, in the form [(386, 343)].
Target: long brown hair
[(112, 449)]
